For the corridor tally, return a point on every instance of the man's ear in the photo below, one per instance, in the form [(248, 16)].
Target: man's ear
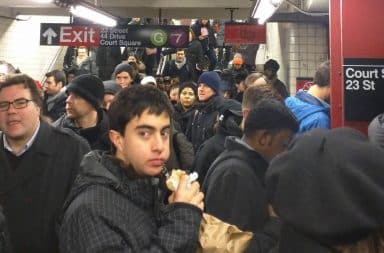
[(245, 112), (264, 138), (116, 139)]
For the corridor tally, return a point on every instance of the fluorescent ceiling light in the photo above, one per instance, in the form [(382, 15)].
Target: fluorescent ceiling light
[(93, 14), (44, 1), (264, 9)]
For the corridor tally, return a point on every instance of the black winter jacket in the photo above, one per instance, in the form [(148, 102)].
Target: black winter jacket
[(235, 193), (202, 121), (195, 58), (110, 210), (181, 118), (214, 146), (234, 187), (96, 136), (184, 73)]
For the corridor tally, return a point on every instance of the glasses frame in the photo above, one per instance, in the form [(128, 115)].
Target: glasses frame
[(19, 103)]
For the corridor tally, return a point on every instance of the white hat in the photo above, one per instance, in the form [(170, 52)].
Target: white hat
[(148, 80)]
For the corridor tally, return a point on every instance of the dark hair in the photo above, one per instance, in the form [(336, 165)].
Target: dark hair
[(239, 77), (188, 84), (193, 33), (58, 75), (322, 75), (134, 55), (254, 94), (174, 86), (132, 102), (271, 65), (27, 82), (271, 115), (134, 65)]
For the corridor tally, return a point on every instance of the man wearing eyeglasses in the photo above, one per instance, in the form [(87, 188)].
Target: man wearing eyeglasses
[(38, 164)]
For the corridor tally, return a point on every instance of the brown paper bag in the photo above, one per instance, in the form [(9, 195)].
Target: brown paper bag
[(216, 236)]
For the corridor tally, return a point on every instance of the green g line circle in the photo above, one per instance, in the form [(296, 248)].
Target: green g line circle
[(158, 38)]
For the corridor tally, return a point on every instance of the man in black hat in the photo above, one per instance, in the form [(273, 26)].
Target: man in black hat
[(200, 126), (270, 72), (84, 114)]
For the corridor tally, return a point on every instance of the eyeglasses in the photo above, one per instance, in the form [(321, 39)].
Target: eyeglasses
[(19, 103)]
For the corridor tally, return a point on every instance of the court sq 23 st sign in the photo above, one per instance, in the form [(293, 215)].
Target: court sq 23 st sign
[(128, 36)]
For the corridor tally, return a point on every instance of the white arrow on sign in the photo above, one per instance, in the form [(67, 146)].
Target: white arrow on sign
[(49, 33)]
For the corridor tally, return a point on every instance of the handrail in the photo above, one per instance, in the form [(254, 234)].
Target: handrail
[(52, 63)]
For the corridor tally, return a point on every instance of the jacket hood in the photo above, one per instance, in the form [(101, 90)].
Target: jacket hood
[(230, 118), (230, 126), (303, 105)]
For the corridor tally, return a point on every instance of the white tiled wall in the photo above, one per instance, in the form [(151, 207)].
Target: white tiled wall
[(299, 48), (307, 48), (20, 44)]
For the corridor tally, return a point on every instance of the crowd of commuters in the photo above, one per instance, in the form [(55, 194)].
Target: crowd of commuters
[(84, 160)]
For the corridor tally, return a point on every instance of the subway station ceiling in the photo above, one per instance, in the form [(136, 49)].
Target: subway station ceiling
[(165, 8)]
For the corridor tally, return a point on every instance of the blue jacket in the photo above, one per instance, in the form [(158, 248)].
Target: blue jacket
[(309, 111)]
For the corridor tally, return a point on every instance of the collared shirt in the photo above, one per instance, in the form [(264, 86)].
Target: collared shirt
[(27, 145)]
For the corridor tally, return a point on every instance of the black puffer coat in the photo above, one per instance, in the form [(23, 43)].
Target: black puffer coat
[(202, 121), (181, 118), (109, 210), (235, 193)]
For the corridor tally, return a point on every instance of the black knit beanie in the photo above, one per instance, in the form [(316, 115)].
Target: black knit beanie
[(111, 87), (123, 67), (191, 85), (89, 87), (329, 186), (211, 79)]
